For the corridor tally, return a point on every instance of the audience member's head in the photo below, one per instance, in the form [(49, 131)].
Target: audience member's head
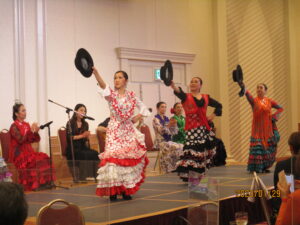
[(294, 143), (161, 108), (13, 205)]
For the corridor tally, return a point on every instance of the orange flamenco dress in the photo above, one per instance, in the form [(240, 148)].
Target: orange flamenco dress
[(33, 167), (264, 135)]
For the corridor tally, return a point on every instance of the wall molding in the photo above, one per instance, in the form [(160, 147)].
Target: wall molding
[(154, 55)]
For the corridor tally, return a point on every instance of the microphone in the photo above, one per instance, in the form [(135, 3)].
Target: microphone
[(45, 125), (88, 118)]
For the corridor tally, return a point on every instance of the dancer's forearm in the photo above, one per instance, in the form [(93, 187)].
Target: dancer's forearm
[(99, 78)]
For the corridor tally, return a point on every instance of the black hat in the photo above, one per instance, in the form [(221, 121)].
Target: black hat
[(166, 73), (84, 62), (237, 74)]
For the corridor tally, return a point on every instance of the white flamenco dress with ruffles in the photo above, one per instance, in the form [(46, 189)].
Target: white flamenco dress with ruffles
[(123, 163)]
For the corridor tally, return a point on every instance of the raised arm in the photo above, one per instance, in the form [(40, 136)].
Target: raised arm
[(174, 87), (178, 92), (249, 98), (99, 78)]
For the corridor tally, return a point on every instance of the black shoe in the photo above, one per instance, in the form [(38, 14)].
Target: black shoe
[(184, 179), (266, 171), (113, 198), (126, 197)]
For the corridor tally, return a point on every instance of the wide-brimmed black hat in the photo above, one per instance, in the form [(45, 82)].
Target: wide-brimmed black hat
[(84, 62), (237, 74), (166, 73)]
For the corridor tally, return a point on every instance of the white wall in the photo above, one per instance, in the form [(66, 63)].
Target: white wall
[(7, 75), (100, 26)]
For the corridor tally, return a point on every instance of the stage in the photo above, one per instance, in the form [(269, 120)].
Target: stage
[(158, 195)]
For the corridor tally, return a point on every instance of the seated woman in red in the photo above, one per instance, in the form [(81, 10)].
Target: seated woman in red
[(33, 167)]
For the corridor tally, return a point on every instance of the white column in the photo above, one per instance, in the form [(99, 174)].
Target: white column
[(42, 97), (221, 53)]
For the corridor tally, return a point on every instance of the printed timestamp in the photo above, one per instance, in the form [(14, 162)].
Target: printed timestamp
[(257, 193)]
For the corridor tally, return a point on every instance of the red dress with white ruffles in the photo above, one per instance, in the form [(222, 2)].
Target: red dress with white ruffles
[(123, 163), (33, 167)]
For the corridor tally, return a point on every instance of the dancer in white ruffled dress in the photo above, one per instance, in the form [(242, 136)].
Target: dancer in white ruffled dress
[(123, 163)]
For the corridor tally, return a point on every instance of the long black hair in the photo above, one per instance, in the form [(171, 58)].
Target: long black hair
[(16, 109), (84, 125)]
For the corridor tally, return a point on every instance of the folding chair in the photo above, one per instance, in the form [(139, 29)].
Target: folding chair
[(60, 214)]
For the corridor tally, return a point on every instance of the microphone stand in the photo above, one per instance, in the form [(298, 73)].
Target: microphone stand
[(68, 110), (52, 184)]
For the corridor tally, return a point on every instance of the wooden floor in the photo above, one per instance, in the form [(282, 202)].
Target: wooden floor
[(159, 194)]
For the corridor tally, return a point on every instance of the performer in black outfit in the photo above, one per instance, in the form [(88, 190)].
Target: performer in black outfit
[(86, 158), (221, 155)]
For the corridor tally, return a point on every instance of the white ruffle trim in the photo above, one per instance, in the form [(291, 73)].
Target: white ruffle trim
[(112, 175)]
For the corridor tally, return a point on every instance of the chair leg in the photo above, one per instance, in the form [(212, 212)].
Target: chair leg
[(158, 161)]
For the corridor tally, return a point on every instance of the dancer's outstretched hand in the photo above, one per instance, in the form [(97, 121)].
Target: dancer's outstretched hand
[(174, 87)]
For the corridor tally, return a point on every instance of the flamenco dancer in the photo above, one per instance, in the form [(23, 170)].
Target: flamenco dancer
[(177, 110), (123, 163), (164, 128), (33, 167), (199, 147), (264, 135)]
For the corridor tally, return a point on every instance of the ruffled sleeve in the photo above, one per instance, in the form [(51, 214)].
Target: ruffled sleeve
[(218, 106), (106, 92), (144, 111), (162, 130), (181, 95), (29, 137)]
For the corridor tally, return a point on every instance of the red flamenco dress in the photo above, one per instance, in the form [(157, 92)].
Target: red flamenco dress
[(200, 145), (33, 167), (123, 163)]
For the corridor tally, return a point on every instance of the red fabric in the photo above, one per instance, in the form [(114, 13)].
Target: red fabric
[(62, 133), (5, 143), (121, 189), (148, 139), (101, 140), (120, 162), (195, 116), (33, 167)]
